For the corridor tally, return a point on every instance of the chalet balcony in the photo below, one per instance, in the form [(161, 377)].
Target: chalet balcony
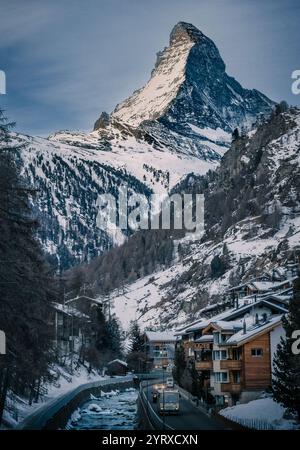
[(233, 388), (231, 364), (204, 365)]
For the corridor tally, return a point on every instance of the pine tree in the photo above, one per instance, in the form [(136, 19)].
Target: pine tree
[(286, 381), (136, 338), (137, 357), (114, 334), (25, 281), (179, 364), (196, 380), (235, 134)]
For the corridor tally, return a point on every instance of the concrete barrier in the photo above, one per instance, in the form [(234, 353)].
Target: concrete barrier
[(56, 413)]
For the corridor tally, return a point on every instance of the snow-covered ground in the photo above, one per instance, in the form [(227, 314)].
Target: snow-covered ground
[(261, 413), (17, 408)]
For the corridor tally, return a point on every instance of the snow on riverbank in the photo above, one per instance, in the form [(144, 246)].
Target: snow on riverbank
[(17, 408), (113, 410), (261, 413)]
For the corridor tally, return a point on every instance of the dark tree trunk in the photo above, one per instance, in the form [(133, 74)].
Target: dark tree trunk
[(3, 393)]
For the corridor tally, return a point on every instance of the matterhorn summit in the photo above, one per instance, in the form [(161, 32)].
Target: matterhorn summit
[(190, 93)]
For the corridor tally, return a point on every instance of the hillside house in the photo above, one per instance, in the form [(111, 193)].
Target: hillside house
[(68, 328), (117, 367), (242, 358), (233, 351), (160, 348)]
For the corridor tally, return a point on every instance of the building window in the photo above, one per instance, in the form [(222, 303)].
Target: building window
[(256, 352), (236, 376), (216, 338), (191, 352), (223, 338), (219, 354), (216, 355), (221, 377), (236, 354), (191, 337)]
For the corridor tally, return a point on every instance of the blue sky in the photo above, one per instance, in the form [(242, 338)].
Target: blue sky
[(68, 60)]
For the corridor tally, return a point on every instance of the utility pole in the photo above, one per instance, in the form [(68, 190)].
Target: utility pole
[(109, 306), (164, 414), (72, 342)]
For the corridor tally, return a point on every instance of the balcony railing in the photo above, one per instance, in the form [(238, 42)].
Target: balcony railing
[(233, 388), (203, 365), (231, 364)]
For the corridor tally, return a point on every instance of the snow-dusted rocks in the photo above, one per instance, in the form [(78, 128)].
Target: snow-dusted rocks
[(190, 87)]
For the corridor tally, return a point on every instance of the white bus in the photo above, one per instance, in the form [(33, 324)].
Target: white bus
[(168, 402)]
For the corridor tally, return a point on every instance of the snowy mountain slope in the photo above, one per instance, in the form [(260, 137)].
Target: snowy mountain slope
[(178, 294), (252, 239), (70, 171), (138, 157)]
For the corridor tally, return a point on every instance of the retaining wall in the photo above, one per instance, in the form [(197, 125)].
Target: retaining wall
[(56, 413)]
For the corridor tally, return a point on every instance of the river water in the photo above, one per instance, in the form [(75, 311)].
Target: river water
[(114, 410)]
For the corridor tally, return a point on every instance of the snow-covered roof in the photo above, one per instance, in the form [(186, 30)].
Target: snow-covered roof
[(69, 311), (251, 331), (246, 304), (179, 331), (205, 338), (119, 361), (162, 336), (198, 326), (262, 286), (85, 297), (267, 285), (227, 326), (239, 286)]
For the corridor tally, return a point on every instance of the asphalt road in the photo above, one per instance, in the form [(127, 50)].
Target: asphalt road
[(189, 417)]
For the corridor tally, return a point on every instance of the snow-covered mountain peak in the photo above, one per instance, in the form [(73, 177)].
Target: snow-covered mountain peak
[(189, 84), (184, 30), (151, 101)]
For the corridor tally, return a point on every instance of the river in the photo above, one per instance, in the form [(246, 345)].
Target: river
[(114, 410)]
